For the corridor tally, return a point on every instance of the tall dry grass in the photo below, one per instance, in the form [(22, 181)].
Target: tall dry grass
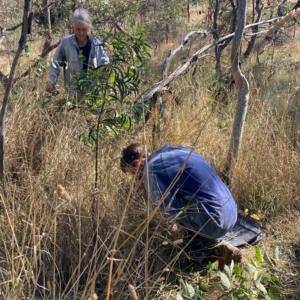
[(60, 238)]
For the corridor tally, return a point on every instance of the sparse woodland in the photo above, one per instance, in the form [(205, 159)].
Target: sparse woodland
[(222, 77)]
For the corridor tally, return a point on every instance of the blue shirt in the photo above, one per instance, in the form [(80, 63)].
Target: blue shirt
[(187, 183)]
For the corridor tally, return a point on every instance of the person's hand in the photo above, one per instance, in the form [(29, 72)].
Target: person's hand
[(50, 87), (175, 228)]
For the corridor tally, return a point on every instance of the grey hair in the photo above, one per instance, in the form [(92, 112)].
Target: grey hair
[(82, 16)]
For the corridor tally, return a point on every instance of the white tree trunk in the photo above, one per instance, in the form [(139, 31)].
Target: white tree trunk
[(242, 86)]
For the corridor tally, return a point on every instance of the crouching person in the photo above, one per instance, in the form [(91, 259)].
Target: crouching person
[(190, 193)]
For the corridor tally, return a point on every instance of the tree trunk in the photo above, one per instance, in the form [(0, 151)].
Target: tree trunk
[(22, 42), (251, 44), (243, 95), (47, 24)]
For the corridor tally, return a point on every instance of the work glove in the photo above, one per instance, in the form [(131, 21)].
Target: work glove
[(50, 87)]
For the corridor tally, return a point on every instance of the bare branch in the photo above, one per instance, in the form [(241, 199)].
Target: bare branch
[(282, 21), (10, 28), (4, 29), (116, 25)]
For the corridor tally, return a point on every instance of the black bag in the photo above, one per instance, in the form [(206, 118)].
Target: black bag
[(246, 231)]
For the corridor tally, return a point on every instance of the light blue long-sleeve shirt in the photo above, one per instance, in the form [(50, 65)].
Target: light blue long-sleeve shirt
[(190, 186), (67, 55)]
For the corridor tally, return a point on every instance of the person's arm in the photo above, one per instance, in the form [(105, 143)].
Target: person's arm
[(59, 60), (101, 57), (158, 187)]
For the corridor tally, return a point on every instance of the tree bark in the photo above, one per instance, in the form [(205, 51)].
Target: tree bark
[(47, 24), (22, 42), (252, 41), (243, 95)]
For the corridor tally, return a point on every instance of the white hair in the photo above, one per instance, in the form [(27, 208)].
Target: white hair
[(82, 16)]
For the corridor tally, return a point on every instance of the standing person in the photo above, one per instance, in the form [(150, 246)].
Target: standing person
[(188, 191), (76, 52)]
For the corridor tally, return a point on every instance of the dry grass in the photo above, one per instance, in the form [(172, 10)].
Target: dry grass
[(60, 238)]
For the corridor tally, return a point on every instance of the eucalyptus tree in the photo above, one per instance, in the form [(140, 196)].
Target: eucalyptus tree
[(106, 93)]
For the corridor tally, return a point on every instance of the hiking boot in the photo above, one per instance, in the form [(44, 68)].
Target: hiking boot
[(225, 253)]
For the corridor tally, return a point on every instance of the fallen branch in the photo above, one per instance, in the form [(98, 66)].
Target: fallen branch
[(161, 85)]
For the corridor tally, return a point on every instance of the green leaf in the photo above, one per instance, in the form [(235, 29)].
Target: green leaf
[(244, 283), (179, 297), (239, 295), (227, 270), (190, 290), (237, 270), (258, 254), (233, 278), (254, 263), (276, 253), (231, 267), (257, 280), (268, 260), (203, 273), (273, 261), (218, 287), (266, 278), (225, 280), (275, 279), (274, 292), (261, 288), (249, 268), (202, 287)]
